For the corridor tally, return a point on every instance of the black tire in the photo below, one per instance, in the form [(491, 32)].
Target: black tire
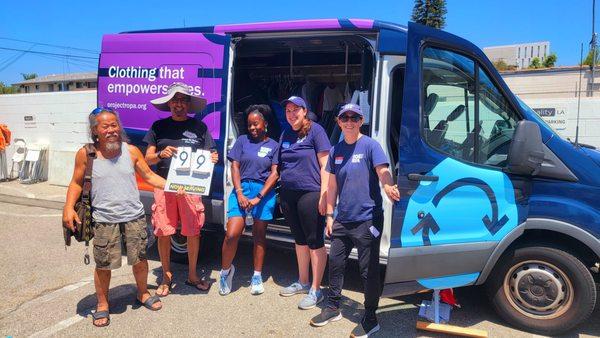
[(210, 247), (542, 290)]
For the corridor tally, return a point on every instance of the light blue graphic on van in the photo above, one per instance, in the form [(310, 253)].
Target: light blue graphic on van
[(467, 204)]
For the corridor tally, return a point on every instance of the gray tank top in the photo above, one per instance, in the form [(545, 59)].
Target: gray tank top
[(115, 196)]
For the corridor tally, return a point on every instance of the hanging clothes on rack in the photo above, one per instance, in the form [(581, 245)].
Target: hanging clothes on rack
[(362, 99), (332, 96)]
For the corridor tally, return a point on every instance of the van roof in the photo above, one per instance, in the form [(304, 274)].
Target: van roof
[(294, 25)]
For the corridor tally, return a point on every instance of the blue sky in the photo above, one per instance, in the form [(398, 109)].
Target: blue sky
[(81, 24)]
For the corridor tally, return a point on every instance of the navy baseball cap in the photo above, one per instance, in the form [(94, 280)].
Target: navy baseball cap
[(297, 100), (350, 107)]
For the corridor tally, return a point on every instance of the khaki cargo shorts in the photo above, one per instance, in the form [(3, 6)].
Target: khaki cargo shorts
[(107, 243)]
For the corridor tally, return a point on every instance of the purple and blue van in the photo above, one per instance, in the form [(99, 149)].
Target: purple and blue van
[(490, 194)]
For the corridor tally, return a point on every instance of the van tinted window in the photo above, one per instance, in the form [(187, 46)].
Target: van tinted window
[(497, 123), (449, 83), (450, 109)]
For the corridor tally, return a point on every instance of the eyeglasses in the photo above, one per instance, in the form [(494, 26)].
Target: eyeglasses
[(101, 109), (353, 118)]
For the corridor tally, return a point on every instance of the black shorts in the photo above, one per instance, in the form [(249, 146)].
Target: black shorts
[(301, 212)]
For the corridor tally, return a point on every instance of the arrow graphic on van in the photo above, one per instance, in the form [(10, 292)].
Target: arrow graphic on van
[(493, 225), (426, 223)]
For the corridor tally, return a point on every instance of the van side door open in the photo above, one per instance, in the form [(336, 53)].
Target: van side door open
[(458, 201), (138, 67)]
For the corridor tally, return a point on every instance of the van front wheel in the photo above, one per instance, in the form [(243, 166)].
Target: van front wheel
[(542, 289)]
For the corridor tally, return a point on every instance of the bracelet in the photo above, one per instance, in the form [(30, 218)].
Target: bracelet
[(260, 196), (239, 190), (329, 215)]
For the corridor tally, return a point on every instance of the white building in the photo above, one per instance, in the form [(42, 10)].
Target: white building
[(519, 55)]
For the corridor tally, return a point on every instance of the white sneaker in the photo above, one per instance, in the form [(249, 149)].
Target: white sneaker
[(226, 282), (256, 285)]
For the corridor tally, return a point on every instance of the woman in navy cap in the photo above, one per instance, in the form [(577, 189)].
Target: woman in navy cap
[(355, 167), (303, 155), (254, 172)]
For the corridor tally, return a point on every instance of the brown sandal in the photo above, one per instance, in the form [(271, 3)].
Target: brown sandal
[(197, 284), (168, 286)]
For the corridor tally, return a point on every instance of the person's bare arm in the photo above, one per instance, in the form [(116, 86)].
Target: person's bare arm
[(152, 156), (385, 177), (74, 190), (269, 184), (243, 201), (142, 168), (322, 156), (331, 199)]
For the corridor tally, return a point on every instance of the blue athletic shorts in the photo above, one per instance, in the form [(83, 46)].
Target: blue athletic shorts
[(263, 211)]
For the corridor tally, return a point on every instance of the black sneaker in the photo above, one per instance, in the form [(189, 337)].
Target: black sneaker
[(327, 315), (365, 328)]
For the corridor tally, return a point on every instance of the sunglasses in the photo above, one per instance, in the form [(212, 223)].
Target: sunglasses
[(101, 109), (353, 118)]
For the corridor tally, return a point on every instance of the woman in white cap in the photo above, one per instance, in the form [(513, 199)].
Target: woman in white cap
[(169, 208), (303, 155), (356, 166)]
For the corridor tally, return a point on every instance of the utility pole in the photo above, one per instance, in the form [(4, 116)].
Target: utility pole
[(593, 45)]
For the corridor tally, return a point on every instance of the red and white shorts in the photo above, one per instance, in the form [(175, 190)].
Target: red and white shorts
[(169, 209)]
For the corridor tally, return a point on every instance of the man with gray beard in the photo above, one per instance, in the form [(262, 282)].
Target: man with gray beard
[(117, 213)]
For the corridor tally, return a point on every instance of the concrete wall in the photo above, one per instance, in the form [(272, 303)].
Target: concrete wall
[(58, 119), (562, 117)]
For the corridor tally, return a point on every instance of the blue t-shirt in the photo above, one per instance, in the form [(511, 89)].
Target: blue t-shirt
[(255, 158), (298, 162), (359, 198)]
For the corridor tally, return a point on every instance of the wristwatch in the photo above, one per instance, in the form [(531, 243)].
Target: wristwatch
[(260, 196)]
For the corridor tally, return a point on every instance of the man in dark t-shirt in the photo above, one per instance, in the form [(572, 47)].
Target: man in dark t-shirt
[(169, 209)]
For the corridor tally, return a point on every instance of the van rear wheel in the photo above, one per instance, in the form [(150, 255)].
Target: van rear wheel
[(542, 289)]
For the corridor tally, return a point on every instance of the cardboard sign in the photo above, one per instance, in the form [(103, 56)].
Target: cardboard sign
[(191, 171)]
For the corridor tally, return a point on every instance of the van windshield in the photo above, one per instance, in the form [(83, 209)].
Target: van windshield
[(534, 114)]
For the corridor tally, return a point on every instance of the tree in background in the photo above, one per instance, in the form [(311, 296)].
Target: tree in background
[(430, 13), (588, 58), (550, 60), (28, 76), (4, 89), (535, 63)]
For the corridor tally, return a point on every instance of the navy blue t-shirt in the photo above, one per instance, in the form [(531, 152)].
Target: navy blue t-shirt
[(168, 132), (359, 197), (298, 162), (255, 158)]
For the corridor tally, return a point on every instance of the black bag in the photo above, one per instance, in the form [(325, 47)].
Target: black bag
[(84, 231)]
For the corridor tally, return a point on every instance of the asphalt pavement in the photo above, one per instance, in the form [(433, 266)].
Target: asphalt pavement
[(48, 291)]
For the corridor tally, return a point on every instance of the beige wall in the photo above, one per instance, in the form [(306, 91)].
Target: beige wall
[(550, 84)]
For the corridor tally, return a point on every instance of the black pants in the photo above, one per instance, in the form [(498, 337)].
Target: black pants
[(301, 212), (344, 238)]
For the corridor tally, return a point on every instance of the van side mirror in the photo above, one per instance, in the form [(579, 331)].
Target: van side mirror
[(526, 152)]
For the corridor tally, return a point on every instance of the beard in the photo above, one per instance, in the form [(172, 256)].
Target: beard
[(113, 146)]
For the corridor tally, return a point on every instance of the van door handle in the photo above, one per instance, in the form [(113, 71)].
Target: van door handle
[(419, 177)]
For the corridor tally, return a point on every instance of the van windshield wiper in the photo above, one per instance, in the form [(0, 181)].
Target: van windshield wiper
[(589, 146)]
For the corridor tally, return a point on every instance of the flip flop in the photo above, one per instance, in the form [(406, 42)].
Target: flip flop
[(101, 315), (197, 284), (169, 287), (149, 302)]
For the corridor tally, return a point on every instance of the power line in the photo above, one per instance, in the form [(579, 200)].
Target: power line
[(46, 53), (51, 45)]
